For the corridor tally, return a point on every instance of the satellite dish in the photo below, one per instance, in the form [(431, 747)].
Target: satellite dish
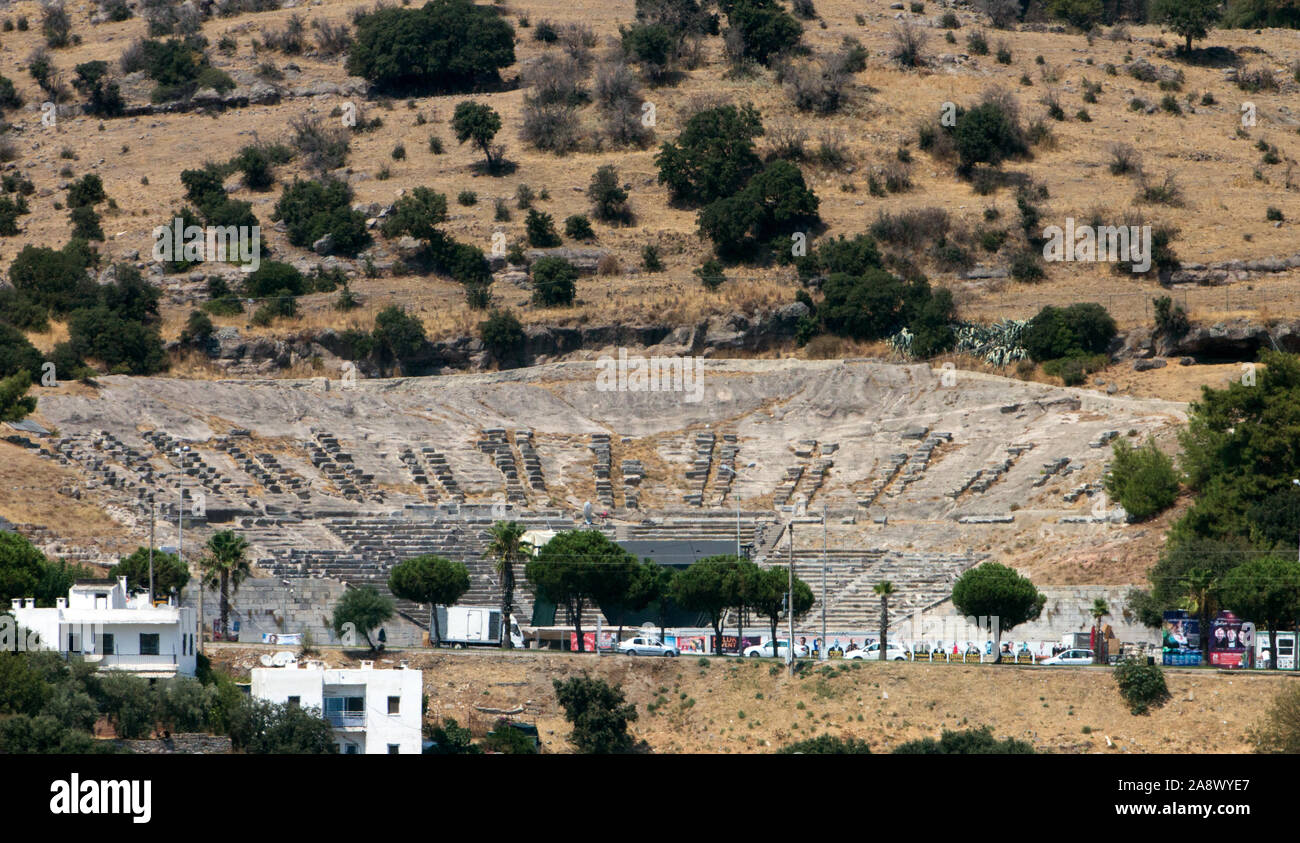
[(283, 658), (267, 661)]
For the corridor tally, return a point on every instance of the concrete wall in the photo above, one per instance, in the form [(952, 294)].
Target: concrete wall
[(266, 605), (1067, 610)]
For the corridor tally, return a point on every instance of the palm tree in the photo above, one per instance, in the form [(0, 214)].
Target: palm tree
[(884, 589), (506, 548), (1098, 611), (1199, 585), (224, 566)]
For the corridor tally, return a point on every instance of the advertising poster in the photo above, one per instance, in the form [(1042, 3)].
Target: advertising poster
[(283, 638), (1181, 639), (731, 644), (692, 644), (608, 641), (1226, 647)]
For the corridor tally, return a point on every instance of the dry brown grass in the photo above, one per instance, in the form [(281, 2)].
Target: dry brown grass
[(1215, 167), (28, 495), (702, 706)]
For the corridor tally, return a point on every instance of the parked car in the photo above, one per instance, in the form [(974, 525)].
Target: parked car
[(780, 651), (893, 653), (646, 646), (1071, 657)]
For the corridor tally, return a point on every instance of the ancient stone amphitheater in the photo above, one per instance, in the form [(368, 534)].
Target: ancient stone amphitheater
[(900, 472)]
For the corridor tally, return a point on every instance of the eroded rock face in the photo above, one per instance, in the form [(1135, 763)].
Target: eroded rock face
[(1233, 339), (735, 331)]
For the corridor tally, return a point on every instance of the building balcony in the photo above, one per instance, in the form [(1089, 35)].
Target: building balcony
[(346, 720)]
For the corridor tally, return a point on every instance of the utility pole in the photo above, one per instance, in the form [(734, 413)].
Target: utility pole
[(789, 601), (822, 653), (153, 515)]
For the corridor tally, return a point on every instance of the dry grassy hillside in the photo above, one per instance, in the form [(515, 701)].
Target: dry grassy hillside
[(751, 705), (1226, 186)]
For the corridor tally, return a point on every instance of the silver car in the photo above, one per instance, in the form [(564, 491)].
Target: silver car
[(646, 646)]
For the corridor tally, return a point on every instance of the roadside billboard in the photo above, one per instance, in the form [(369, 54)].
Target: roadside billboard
[(1181, 639), (1225, 646)]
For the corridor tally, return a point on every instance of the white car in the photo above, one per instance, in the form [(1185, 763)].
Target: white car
[(646, 646), (1071, 657), (893, 653), (782, 650)]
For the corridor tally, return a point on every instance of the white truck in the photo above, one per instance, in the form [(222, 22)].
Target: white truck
[(474, 626)]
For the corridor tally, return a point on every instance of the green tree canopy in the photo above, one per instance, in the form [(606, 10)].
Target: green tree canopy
[(599, 715), (360, 610), (1191, 19), (430, 579), (1266, 591), (1142, 479), (708, 587), (714, 155), (169, 572), (15, 403), (577, 568), (446, 45), (21, 567), (769, 596), (479, 124), (998, 597)]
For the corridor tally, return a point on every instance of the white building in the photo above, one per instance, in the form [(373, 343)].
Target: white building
[(101, 621), (373, 712)]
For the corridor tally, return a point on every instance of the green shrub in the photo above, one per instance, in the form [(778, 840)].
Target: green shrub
[(312, 209), (554, 282), (766, 28), (650, 259), (711, 275), (1141, 685), (398, 335), (1084, 14), (274, 278), (608, 198), (1143, 480), (502, 335), (1077, 330), (758, 221), (541, 230), (714, 155), (578, 227), (966, 742), (445, 45), (827, 745)]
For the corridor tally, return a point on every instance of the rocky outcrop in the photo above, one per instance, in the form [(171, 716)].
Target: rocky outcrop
[(260, 355), (1227, 272), (1233, 339)]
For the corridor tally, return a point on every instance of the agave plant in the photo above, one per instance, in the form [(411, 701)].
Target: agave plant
[(901, 342), (998, 344)]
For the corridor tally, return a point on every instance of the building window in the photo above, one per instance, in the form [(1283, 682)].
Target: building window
[(106, 642), (394, 705), (393, 748), (148, 643), (351, 749)]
